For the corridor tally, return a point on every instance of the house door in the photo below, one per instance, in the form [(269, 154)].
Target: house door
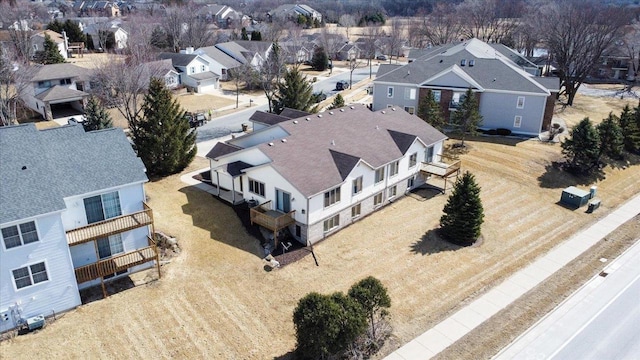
[(283, 201), (428, 155)]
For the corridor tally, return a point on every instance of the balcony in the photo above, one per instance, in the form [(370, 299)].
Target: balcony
[(111, 226), (273, 220), (117, 263), (444, 168)]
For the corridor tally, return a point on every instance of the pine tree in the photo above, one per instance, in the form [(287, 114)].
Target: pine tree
[(582, 149), (56, 26), (467, 118), (338, 102), (243, 34), (463, 213), (256, 36), (611, 138), (373, 297), (294, 93), (50, 54), (162, 137), (73, 31), (630, 125), (96, 116), (430, 111), (319, 60)]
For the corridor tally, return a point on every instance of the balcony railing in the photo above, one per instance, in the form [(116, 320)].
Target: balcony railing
[(441, 168), (117, 263), (454, 104), (110, 226), (271, 219)]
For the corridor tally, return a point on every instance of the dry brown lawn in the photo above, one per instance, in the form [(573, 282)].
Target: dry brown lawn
[(216, 300)]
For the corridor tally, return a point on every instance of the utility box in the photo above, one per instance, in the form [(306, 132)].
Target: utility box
[(35, 322), (574, 197)]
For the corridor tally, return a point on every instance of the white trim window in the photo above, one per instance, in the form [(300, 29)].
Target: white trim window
[(102, 207), (410, 182), (109, 246), (410, 94), (357, 185), (520, 102), (437, 95), (393, 168), (410, 109), (377, 199), (393, 191), (356, 211), (331, 197), (517, 121), (413, 160), (202, 68), (390, 91), (192, 70), (30, 275), (332, 223), (256, 187), (379, 175), (18, 235)]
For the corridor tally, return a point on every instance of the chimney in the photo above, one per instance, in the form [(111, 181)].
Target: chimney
[(189, 50)]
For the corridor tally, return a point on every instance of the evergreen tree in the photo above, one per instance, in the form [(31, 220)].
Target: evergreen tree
[(162, 137), (629, 123), (256, 36), (338, 102), (372, 297), (582, 149), (319, 60), (430, 111), (56, 26), (50, 54), (159, 38), (96, 116), (294, 93), (243, 34), (467, 118), (73, 31), (611, 139), (463, 213)]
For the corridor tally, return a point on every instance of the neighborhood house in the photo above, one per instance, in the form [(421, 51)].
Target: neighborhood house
[(73, 216), (317, 173)]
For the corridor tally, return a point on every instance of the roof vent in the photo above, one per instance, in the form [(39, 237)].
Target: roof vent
[(284, 140), (463, 62), (352, 107), (377, 127), (440, 60), (393, 109), (333, 142), (331, 112), (341, 110), (472, 62), (494, 79), (24, 168), (408, 72), (295, 121), (307, 119), (383, 112), (319, 115), (270, 144)]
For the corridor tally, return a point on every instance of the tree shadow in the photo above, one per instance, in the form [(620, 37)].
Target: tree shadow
[(288, 356), (557, 177), (509, 140), (216, 216), (431, 243)]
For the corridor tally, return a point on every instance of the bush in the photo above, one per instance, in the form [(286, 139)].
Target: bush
[(503, 132), (492, 132)]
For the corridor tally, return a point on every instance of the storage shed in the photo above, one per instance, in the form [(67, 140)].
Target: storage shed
[(574, 197)]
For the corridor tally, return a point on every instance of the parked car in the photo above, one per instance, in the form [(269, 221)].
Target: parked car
[(317, 97), (382, 57), (195, 119), (342, 85)]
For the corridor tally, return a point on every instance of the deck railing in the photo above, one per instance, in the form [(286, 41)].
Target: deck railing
[(116, 263), (271, 219), (111, 226)]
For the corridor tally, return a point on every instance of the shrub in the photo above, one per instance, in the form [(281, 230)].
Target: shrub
[(503, 132)]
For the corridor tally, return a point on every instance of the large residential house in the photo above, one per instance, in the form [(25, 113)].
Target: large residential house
[(37, 42), (254, 53), (223, 16), (58, 91), (509, 96), (292, 11), (96, 8), (318, 173), (219, 62), (162, 69), (73, 216), (194, 71), (120, 35)]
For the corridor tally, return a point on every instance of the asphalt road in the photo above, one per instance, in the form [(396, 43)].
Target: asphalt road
[(225, 125), (599, 321)]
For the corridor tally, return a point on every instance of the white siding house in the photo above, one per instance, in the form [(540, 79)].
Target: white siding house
[(318, 173), (67, 222), (194, 71)]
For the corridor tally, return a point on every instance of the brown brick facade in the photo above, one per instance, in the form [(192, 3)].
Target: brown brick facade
[(548, 111)]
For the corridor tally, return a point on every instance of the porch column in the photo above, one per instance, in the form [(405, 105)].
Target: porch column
[(233, 190), (218, 182)]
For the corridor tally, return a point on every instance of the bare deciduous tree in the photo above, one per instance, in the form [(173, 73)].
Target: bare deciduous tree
[(394, 40), (576, 35), (371, 33), (347, 21), (14, 78), (269, 74), (20, 24), (442, 26), (487, 19), (174, 26)]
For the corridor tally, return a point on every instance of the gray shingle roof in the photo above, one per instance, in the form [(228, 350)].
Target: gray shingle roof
[(59, 92), (550, 82), (308, 158), (234, 50), (219, 56), (221, 149), (205, 75), (235, 168), (178, 59), (293, 113), (267, 118), (60, 71), (41, 168)]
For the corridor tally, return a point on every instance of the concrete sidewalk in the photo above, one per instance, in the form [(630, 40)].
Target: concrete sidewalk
[(459, 324)]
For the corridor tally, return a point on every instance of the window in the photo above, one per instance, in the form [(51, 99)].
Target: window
[(65, 81), (298, 230), (332, 223), (202, 68), (437, 94), (30, 275), (357, 185), (390, 92), (517, 121), (18, 235), (379, 175), (192, 70), (102, 207), (393, 191), (377, 200), (413, 160), (44, 84), (355, 211), (410, 109), (520, 103), (256, 187), (410, 94), (410, 182), (331, 197), (393, 168), (110, 246)]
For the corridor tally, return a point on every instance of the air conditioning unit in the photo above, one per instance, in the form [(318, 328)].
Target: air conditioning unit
[(35, 322)]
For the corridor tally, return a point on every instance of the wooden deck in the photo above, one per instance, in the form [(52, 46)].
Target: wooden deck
[(441, 169), (116, 263), (271, 219), (110, 226)]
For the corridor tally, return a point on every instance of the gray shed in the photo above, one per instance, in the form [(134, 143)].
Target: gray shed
[(574, 197)]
